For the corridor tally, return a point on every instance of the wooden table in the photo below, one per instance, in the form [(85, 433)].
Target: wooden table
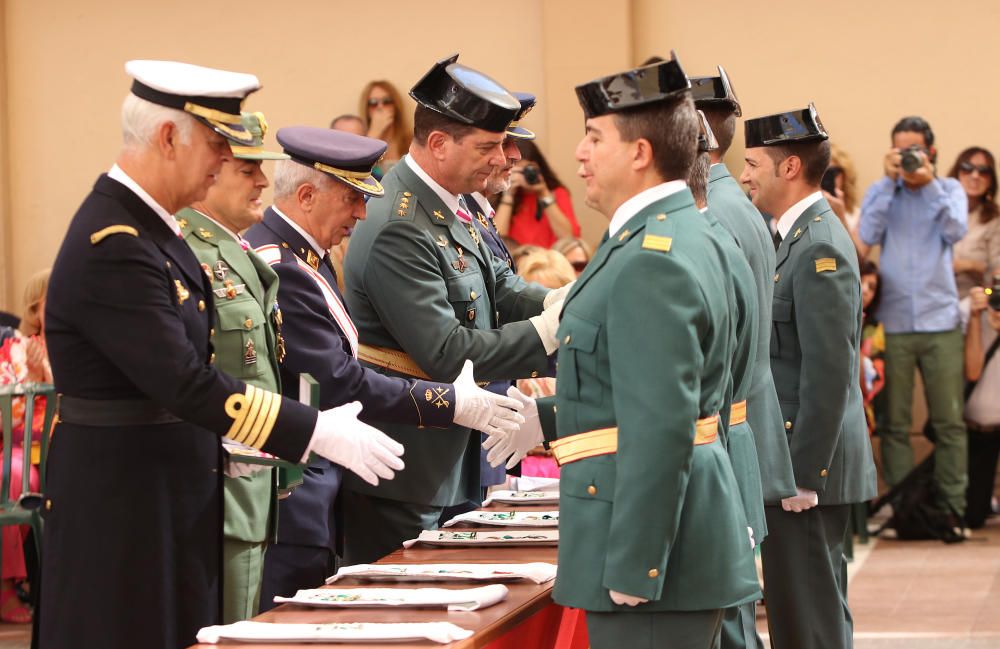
[(525, 599)]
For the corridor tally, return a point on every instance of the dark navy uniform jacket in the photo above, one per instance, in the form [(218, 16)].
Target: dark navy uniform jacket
[(315, 343), (133, 512)]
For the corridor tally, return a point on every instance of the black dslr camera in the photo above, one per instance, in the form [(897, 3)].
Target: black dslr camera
[(993, 295), (531, 174), (911, 158)]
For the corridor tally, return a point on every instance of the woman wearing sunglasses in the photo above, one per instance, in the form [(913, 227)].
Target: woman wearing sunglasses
[(381, 108), (977, 255)]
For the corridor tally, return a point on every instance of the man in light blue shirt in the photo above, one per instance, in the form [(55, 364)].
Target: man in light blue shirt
[(916, 218)]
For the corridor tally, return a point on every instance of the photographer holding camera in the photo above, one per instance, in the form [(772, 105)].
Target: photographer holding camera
[(537, 209), (982, 410), (916, 217)]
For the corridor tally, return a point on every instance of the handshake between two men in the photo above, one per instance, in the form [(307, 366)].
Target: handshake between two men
[(342, 438)]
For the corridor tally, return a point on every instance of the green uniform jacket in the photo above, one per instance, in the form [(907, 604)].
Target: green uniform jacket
[(647, 341), (815, 358), (242, 350), (417, 281), (740, 438), (738, 215)]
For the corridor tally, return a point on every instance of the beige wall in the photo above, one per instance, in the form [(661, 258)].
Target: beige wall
[(63, 70)]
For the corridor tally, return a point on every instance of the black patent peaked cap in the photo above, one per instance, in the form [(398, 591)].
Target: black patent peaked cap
[(466, 95), (709, 92), (632, 88), (801, 125)]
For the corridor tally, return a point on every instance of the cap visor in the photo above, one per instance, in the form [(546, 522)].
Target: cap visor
[(232, 132), (369, 185), (520, 133), (257, 153)]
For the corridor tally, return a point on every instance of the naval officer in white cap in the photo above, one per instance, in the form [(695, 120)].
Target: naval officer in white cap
[(142, 407)]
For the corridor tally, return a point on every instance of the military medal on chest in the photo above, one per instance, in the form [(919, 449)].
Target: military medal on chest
[(474, 233), (249, 354), (221, 270), (279, 343), (460, 264)]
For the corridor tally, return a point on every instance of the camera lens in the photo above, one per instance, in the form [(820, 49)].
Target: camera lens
[(911, 160), (994, 297)]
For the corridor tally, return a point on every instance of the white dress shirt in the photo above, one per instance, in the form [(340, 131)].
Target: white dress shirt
[(118, 174), (637, 203)]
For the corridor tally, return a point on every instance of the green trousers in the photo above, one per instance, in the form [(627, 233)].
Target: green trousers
[(242, 570), (659, 630), (739, 628), (805, 578), (940, 359)]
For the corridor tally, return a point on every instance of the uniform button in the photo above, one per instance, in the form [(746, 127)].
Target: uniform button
[(788, 425), (592, 490), (776, 276), (211, 359), (472, 295), (661, 217), (653, 573), (48, 504), (248, 323), (534, 375), (567, 339), (284, 244), (211, 333), (168, 264), (201, 305), (555, 409), (824, 473)]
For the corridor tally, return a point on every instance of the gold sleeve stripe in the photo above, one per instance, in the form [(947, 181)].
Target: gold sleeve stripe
[(826, 264), (236, 408), (253, 432), (102, 234), (656, 242), (272, 416), (253, 411)]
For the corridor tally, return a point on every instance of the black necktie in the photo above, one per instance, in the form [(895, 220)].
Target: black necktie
[(777, 240)]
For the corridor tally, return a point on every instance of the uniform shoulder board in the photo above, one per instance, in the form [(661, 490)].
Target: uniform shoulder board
[(826, 264), (819, 229), (659, 233), (104, 233), (404, 206)]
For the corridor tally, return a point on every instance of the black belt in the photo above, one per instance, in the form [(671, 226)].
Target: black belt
[(976, 428), (113, 412)]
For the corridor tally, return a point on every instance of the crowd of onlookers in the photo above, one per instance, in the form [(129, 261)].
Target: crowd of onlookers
[(928, 247)]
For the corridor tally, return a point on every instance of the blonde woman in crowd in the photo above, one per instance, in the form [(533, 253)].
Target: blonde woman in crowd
[(577, 251)]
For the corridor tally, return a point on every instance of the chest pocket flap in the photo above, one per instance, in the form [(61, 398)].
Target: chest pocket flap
[(241, 342), (577, 360)]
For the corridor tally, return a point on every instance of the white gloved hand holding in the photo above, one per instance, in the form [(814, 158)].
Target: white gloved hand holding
[(802, 500), (546, 323), (517, 444), (557, 295), (479, 409), (753, 543), (626, 600), (341, 438)]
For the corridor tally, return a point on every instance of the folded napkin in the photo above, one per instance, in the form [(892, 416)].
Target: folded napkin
[(537, 572), (484, 537), (523, 498), (508, 519), (247, 631), (458, 599)]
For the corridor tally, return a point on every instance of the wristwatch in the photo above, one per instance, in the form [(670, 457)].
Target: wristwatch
[(545, 201)]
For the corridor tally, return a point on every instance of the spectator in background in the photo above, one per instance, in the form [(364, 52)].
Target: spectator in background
[(381, 106), (977, 254), (917, 218), (840, 189), (576, 251), (537, 208), (552, 270), (23, 359), (872, 346), (982, 410), (349, 123)]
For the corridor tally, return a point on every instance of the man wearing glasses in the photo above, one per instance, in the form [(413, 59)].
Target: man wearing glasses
[(917, 217)]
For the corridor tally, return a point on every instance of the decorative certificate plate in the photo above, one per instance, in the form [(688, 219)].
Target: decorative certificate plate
[(483, 537), (449, 572), (523, 498), (266, 632), (508, 519), (459, 599)]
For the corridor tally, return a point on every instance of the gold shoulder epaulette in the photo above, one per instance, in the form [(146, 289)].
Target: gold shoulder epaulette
[(404, 205), (104, 233), (659, 233), (657, 242), (826, 264)]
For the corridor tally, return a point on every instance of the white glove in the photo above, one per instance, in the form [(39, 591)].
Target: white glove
[(557, 295), (626, 600), (546, 323), (517, 444), (476, 408), (236, 469), (753, 543), (341, 438), (802, 500)]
